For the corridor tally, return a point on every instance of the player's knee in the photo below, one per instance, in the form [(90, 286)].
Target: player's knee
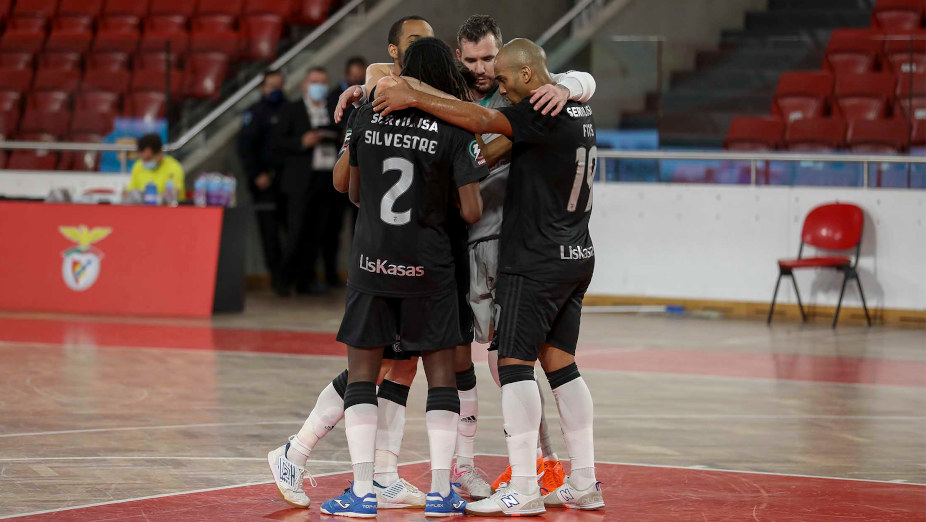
[(466, 380), (462, 357), (403, 372), (394, 392), (512, 373), (552, 358)]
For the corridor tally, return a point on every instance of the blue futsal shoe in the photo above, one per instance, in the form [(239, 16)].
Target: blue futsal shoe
[(350, 505), (449, 506)]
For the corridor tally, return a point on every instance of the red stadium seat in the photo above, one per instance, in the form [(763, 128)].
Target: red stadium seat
[(878, 136), (56, 80), (906, 52), (281, 8), (918, 134), (225, 42), (158, 61), (831, 227), (62, 61), (90, 8), (802, 95), (166, 23), (17, 80), (33, 159), (10, 101), (911, 96), (898, 15), (751, 133), (262, 34), (92, 121), (73, 23), (97, 101), (82, 161), (146, 105), (15, 40), (312, 12), (182, 8), (29, 23), (54, 122), (108, 61), (214, 23), (16, 61), (121, 24), (43, 8), (205, 74), (115, 41), (852, 51), (9, 123), (177, 42), (816, 134), (72, 40), (49, 100), (221, 7), (138, 8), (107, 80), (864, 96), (154, 80)]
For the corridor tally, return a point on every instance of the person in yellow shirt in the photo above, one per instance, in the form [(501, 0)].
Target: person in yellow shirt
[(155, 166)]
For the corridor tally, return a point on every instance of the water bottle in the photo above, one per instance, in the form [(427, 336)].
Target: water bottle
[(171, 195), (151, 194), (213, 190), (199, 192), (232, 192)]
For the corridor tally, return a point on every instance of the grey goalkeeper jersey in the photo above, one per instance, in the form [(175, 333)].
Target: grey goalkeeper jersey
[(492, 187)]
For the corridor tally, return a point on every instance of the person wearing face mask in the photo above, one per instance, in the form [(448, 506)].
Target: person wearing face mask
[(305, 142), (155, 166), (262, 170)]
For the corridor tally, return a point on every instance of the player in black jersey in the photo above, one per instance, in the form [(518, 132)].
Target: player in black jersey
[(405, 168), (546, 263)]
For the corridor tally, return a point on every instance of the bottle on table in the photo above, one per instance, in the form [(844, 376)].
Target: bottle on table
[(171, 195), (150, 196), (199, 192)]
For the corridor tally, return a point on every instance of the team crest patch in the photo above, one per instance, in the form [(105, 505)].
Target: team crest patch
[(476, 153), (81, 265)]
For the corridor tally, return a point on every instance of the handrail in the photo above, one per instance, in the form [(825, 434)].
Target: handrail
[(757, 156), (67, 145), (254, 82), (565, 19)]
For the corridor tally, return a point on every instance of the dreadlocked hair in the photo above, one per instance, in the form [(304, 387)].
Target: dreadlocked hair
[(431, 61)]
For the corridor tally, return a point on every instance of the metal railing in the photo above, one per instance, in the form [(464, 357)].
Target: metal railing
[(755, 157)]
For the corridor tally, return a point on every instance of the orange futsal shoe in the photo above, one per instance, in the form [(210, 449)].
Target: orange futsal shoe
[(552, 478), (506, 476)]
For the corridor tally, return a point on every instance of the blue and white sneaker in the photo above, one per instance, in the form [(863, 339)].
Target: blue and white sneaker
[(350, 505), (449, 506)]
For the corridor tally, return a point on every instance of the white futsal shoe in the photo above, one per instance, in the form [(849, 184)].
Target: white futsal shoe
[(507, 502), (288, 477), (467, 482), (399, 495), (567, 496)]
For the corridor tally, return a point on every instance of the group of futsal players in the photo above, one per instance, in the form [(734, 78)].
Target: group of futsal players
[(435, 156)]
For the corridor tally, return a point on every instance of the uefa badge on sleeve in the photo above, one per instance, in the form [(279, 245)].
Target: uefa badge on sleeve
[(476, 154), (80, 267)]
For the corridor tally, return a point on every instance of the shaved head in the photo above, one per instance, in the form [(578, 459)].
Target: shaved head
[(521, 66)]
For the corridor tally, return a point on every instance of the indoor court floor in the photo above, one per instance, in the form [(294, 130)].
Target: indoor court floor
[(106, 418)]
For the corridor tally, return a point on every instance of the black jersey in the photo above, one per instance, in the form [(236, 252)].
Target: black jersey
[(410, 164), (549, 197)]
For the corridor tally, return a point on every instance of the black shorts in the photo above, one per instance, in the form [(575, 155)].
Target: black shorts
[(421, 323), (461, 276), (533, 312)]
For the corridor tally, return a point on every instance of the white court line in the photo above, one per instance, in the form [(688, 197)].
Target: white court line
[(137, 428), (158, 457), (703, 467), (207, 490)]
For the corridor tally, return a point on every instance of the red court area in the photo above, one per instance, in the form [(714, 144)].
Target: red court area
[(633, 493)]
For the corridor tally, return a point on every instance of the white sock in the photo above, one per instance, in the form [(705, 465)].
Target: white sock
[(466, 429), (521, 410), (576, 415), (442, 436), (360, 427), (390, 429), (328, 412), (546, 444)]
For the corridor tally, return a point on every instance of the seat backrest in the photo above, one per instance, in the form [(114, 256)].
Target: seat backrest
[(282, 8), (45, 8), (879, 135), (108, 61), (10, 100), (223, 7), (803, 94), (753, 133), (49, 100), (166, 22), (214, 22), (90, 8), (816, 133), (312, 12), (16, 60), (29, 23), (137, 8), (852, 51), (894, 15), (835, 226), (146, 104), (59, 61), (906, 52), (864, 96), (98, 101), (75, 23), (122, 23), (183, 8)]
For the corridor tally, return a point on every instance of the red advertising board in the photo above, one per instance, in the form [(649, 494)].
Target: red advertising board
[(104, 259)]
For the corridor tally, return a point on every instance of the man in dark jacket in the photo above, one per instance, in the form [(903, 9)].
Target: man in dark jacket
[(254, 147), (306, 142)]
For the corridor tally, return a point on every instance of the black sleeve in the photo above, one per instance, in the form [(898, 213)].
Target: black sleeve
[(468, 163), (347, 134), (527, 125)]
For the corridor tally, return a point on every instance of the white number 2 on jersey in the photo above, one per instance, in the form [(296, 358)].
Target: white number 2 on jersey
[(406, 175), (586, 164)]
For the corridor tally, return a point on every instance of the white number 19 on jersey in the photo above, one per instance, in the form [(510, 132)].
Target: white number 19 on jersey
[(586, 164)]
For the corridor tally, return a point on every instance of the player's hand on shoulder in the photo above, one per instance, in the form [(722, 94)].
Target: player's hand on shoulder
[(549, 99), (351, 95), (393, 94)]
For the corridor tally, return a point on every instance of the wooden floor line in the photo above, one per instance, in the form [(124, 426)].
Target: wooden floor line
[(162, 495), (158, 457), (747, 472)]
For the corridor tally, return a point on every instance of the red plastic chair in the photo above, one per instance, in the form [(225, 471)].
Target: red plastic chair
[(69, 40), (17, 80), (33, 159), (802, 95), (261, 35), (878, 136), (852, 51), (91, 8), (312, 12), (73, 23), (225, 42), (137, 8), (918, 135), (147, 105), (221, 7), (205, 74), (93, 122), (82, 161), (56, 80), (25, 40), (816, 134), (214, 23), (43, 8), (158, 41), (898, 15), (49, 100), (166, 22), (838, 227), (103, 74), (98, 101), (906, 53), (756, 134), (281, 8), (866, 96), (10, 100), (9, 123), (16, 61), (182, 8), (115, 41), (121, 24)]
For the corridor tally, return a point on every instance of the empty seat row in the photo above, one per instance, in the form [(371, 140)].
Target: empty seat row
[(811, 94), (825, 135), (308, 12), (899, 15), (143, 104), (862, 50)]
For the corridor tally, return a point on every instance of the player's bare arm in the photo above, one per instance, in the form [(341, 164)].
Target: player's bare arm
[(495, 150), (376, 74), (469, 116), (341, 174), (470, 203)]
